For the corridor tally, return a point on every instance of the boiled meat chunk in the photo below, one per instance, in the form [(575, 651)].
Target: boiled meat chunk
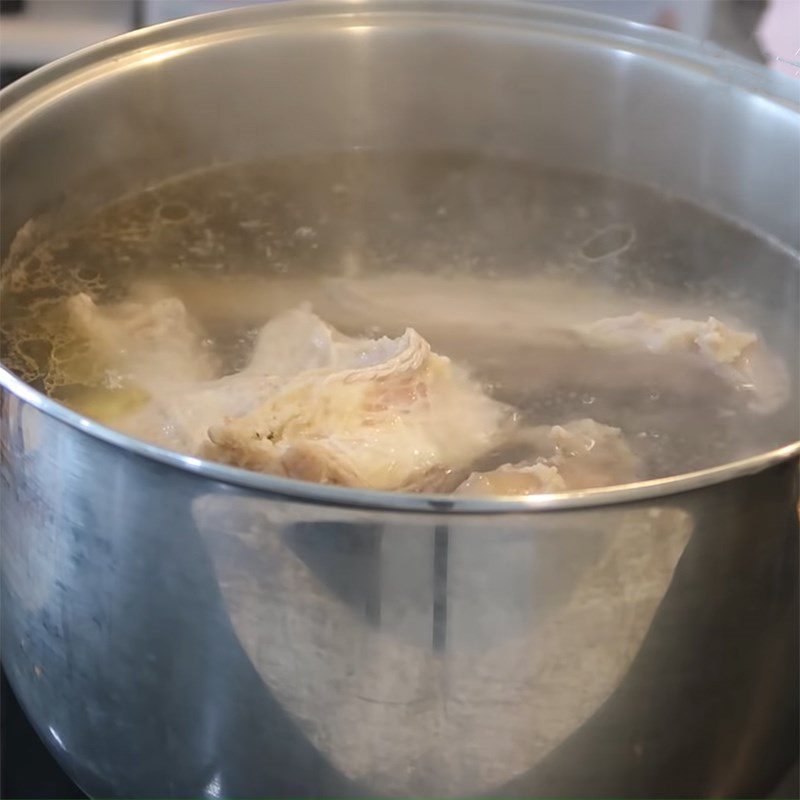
[(515, 479), (382, 414), (312, 403), (157, 347), (298, 341), (293, 342), (178, 416), (736, 356), (582, 454), (147, 343), (586, 453), (712, 339), (388, 413)]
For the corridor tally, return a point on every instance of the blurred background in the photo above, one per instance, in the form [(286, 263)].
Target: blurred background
[(33, 32)]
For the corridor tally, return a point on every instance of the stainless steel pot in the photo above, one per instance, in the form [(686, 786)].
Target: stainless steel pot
[(177, 628)]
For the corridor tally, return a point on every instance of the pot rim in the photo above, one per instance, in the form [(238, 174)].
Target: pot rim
[(159, 42), (343, 497)]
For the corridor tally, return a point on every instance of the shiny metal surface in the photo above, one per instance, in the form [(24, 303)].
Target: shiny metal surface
[(175, 636), (176, 629)]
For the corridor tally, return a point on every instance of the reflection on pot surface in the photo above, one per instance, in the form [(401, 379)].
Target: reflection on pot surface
[(414, 684)]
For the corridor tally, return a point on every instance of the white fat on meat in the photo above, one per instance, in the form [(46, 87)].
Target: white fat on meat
[(736, 356), (384, 414), (582, 454)]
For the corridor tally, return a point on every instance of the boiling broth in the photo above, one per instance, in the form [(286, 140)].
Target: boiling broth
[(471, 252)]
